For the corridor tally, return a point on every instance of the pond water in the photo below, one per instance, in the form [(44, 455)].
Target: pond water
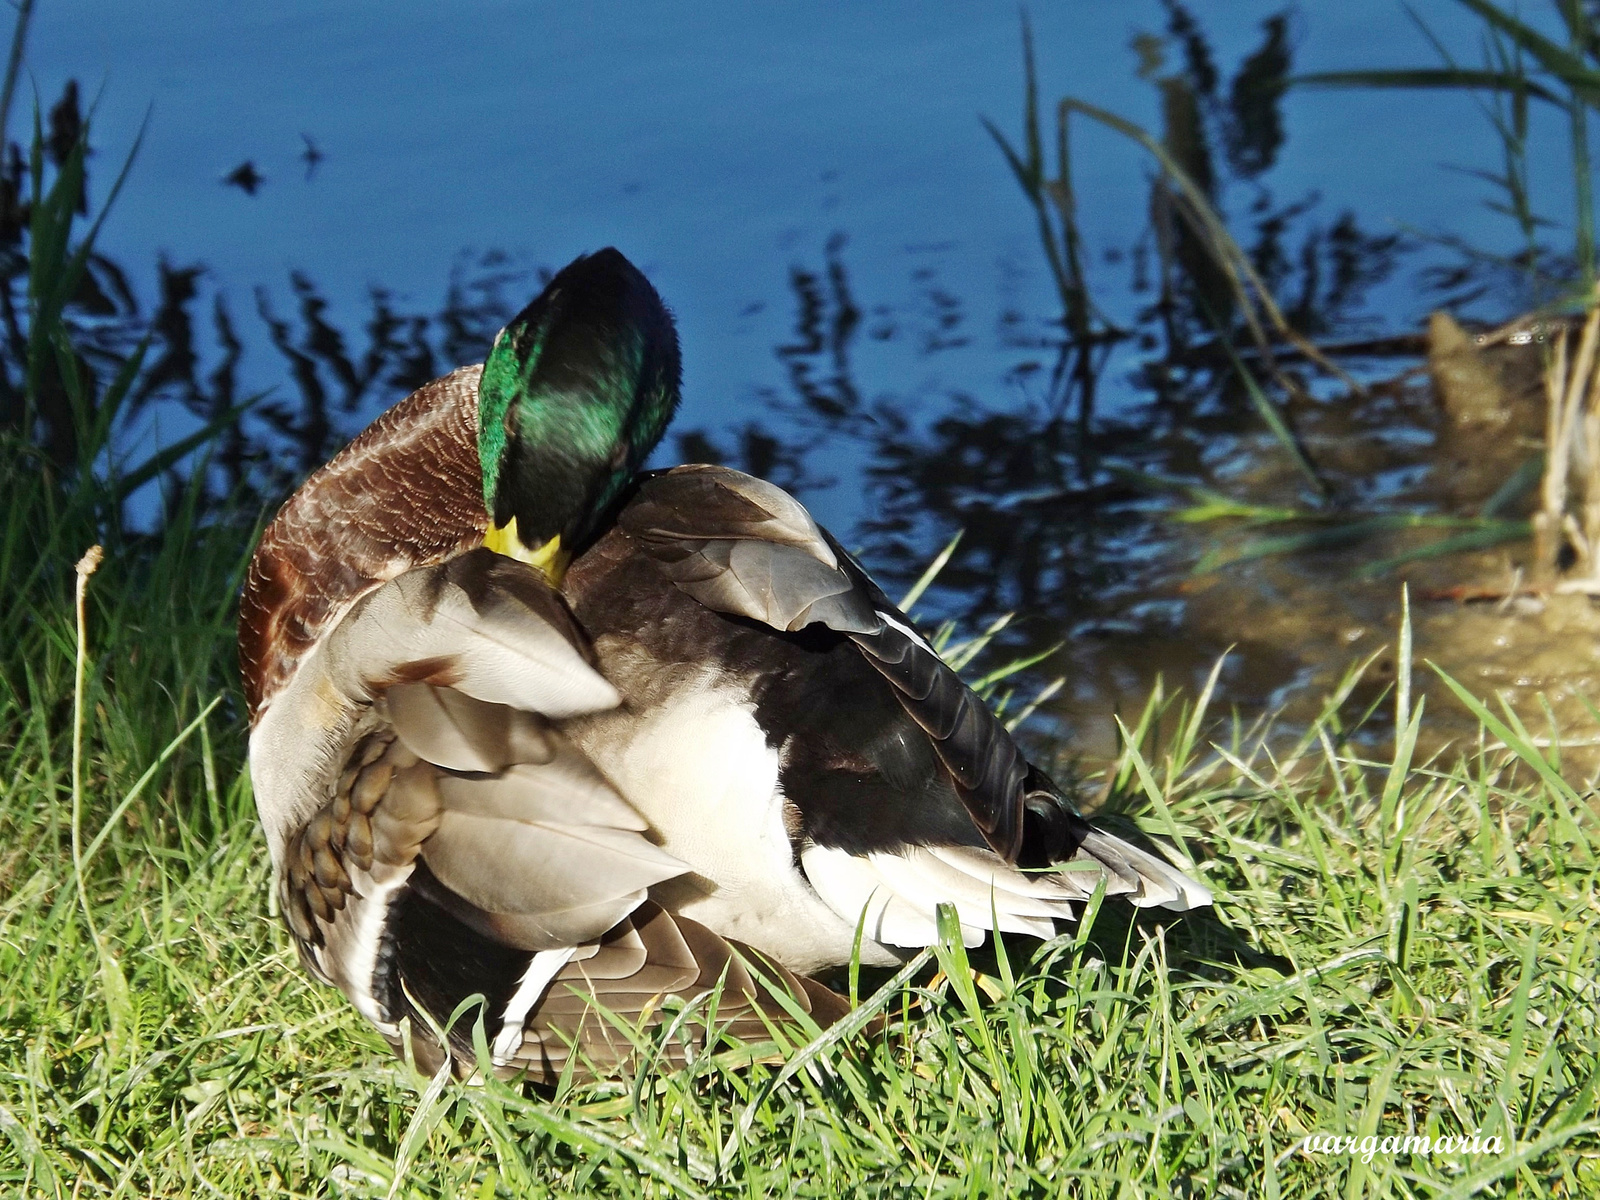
[(812, 191)]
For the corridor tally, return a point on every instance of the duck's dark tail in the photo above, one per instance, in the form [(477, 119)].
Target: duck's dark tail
[(1055, 836)]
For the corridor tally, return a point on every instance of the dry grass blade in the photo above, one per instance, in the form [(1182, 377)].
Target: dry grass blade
[(1572, 438), (86, 566)]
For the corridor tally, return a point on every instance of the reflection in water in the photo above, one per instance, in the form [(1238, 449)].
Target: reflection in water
[(1052, 525), (1227, 143), (312, 156), (1055, 499), (267, 441), (192, 345), (245, 177)]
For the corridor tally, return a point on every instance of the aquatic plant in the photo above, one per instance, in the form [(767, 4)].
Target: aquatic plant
[(1520, 65), (1211, 290), (1210, 283)]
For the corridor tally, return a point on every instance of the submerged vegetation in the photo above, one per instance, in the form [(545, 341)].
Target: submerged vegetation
[(1402, 942)]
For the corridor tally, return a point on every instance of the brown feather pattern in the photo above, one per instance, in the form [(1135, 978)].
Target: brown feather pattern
[(386, 805), (652, 956), (355, 829), (407, 492)]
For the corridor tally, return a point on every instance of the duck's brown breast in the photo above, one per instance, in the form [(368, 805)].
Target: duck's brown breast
[(407, 492)]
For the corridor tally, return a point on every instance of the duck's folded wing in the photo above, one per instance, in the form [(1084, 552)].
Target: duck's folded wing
[(742, 546), (746, 548), (452, 841), (479, 623)]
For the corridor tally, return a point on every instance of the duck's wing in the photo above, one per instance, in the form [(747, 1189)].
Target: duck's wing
[(746, 548), (437, 837)]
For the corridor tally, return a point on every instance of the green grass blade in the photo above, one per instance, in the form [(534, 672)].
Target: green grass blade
[(1560, 790), (940, 561), (1555, 58), (1492, 534), (1431, 79)]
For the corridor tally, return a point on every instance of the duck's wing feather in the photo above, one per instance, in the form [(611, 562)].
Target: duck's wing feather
[(438, 836), (741, 545), (744, 547)]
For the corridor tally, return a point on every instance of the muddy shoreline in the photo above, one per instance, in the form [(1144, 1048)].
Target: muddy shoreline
[(1439, 438)]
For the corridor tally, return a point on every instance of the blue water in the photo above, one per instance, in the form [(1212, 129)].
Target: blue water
[(717, 144)]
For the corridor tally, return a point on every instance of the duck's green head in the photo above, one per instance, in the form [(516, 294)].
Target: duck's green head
[(575, 395)]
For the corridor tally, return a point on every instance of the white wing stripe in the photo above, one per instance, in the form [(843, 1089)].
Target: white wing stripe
[(349, 956), (536, 980), (907, 630)]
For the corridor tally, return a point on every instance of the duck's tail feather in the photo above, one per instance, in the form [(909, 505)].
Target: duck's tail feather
[(900, 892), (1058, 839), (1155, 882)]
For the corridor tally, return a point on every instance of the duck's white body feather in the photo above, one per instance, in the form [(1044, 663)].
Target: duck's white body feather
[(698, 767)]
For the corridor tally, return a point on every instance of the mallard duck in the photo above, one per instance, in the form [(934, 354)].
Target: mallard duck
[(530, 724)]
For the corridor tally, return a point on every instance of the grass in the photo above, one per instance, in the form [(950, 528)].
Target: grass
[(1397, 948)]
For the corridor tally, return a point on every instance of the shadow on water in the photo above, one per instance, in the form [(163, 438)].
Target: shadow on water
[(189, 348), (1136, 537)]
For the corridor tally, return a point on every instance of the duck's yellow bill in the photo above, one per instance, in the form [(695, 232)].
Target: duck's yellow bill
[(550, 559)]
